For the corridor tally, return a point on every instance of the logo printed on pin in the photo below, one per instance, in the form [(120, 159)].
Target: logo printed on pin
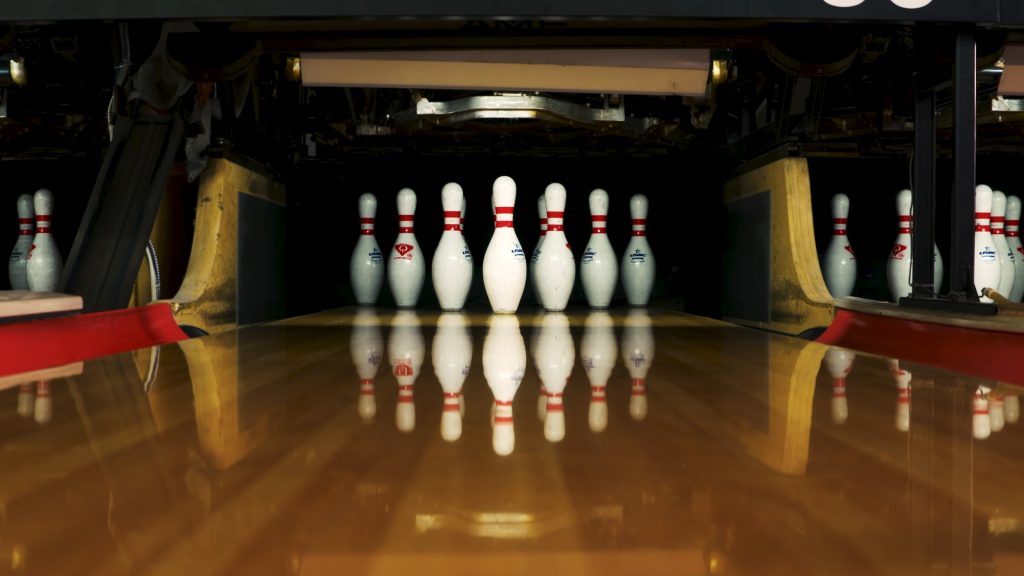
[(638, 257), (403, 368), (987, 253), (375, 255), (898, 251), (588, 255), (849, 249), (404, 251)]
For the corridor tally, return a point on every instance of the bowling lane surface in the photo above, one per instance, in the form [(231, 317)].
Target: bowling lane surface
[(370, 442)]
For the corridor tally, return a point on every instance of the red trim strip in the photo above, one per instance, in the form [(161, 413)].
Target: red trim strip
[(555, 228), (503, 224), (639, 233), (405, 230), (503, 209), (454, 227), (555, 215), (598, 217), (452, 213), (598, 230), (367, 220), (42, 217)]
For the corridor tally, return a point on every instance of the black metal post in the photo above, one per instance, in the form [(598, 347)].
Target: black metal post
[(965, 89), (922, 273)]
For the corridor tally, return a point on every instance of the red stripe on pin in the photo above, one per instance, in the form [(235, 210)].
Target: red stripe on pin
[(981, 228), (405, 230), (367, 220), (839, 220), (452, 213), (839, 232), (24, 232), (639, 222), (503, 224), (451, 227), (502, 419), (555, 228), (555, 408), (639, 233), (450, 408), (42, 229), (503, 209), (42, 218), (599, 218), (982, 215), (906, 218), (552, 214), (904, 230), (24, 220), (367, 232), (503, 403), (599, 230)]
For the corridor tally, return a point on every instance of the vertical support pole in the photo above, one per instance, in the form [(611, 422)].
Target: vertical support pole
[(923, 272), (965, 90)]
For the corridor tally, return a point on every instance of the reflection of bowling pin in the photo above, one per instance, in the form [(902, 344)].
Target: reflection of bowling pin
[(543, 213), (366, 268), (555, 357), (638, 269), (452, 266), (986, 259), (838, 264), (1013, 240), (26, 400), (598, 351), (407, 264), (452, 354), (996, 414), (903, 378), (1007, 267), (638, 355), (26, 231), (980, 423), (599, 269), (367, 348), (44, 404), (542, 395), (1011, 408), (405, 354), (504, 261), (504, 361), (44, 261), (839, 362), (556, 266)]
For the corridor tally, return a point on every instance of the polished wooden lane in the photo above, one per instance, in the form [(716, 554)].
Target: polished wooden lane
[(264, 451)]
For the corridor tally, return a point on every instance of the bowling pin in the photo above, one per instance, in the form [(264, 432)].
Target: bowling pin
[(981, 425), (1011, 408), (504, 362), (556, 267), (16, 269), (598, 352), (903, 378), (839, 265), (543, 213), (504, 261), (638, 356), (986, 258), (407, 267), (43, 409), (555, 357), (452, 266), (26, 400), (452, 354), (838, 363), (1013, 240), (899, 266), (1007, 267), (405, 354), (44, 263), (367, 349), (366, 268), (638, 268), (599, 266)]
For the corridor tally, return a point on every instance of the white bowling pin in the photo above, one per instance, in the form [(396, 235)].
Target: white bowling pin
[(1013, 240), (838, 264), (899, 265), (16, 269), (366, 268), (452, 266), (1007, 267), (638, 355), (556, 267), (504, 362), (366, 345), (903, 378), (555, 357), (504, 261), (981, 425), (542, 212), (598, 352), (405, 354), (996, 414), (1011, 408), (26, 400), (986, 258), (599, 266), (44, 263), (452, 354), (43, 409), (838, 363), (638, 268), (407, 266)]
